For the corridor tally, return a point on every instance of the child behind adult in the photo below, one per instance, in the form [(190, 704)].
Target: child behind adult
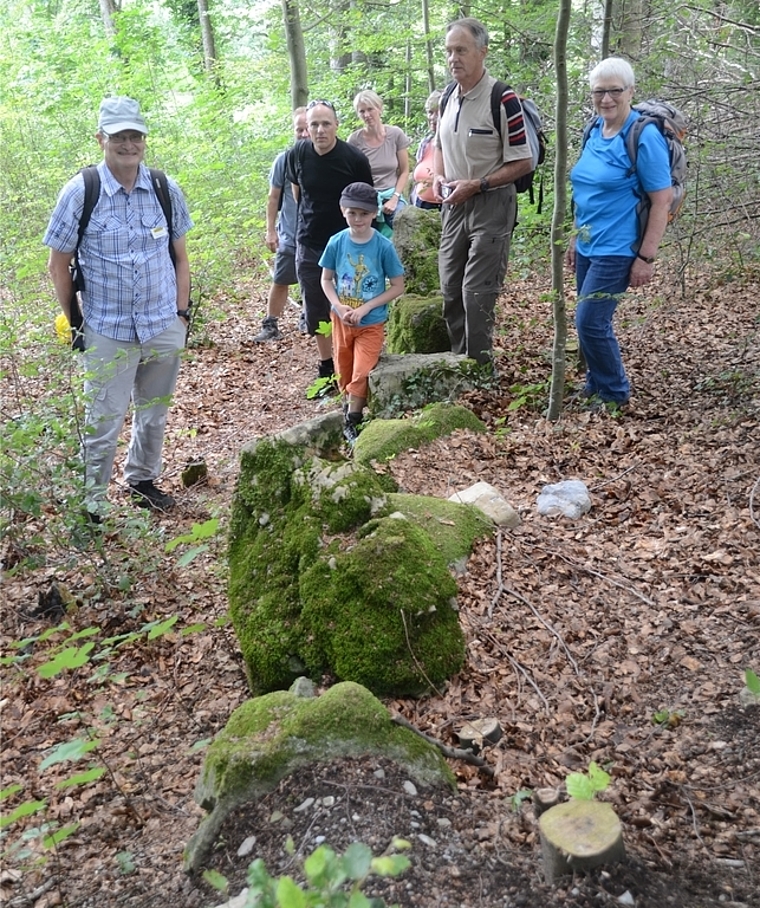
[(358, 264)]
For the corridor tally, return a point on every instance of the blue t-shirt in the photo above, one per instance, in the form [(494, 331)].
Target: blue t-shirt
[(361, 270), (606, 194)]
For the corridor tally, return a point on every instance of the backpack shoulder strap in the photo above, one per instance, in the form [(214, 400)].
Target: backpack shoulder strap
[(497, 93), (444, 100), (160, 187), (587, 129), (91, 179)]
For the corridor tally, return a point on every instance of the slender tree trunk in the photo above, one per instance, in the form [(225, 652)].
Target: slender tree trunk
[(207, 35), (428, 45), (631, 29), (299, 74), (606, 28), (560, 212), (107, 9)]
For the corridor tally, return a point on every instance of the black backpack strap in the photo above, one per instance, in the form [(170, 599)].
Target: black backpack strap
[(497, 93), (161, 188), (444, 99), (91, 179)]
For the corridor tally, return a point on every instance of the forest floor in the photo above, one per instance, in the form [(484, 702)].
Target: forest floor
[(621, 637)]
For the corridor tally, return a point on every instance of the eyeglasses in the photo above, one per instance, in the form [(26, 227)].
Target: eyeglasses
[(320, 101), (598, 93), (122, 138)]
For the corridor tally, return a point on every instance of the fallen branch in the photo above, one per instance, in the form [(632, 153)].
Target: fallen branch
[(453, 753)]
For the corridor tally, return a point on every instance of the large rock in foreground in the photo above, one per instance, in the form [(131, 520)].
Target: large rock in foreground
[(272, 736), (328, 574)]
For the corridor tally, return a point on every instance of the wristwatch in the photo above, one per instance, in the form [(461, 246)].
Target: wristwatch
[(645, 258), (484, 185), (184, 313)]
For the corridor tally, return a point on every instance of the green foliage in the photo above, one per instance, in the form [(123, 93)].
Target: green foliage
[(584, 787), (332, 880)]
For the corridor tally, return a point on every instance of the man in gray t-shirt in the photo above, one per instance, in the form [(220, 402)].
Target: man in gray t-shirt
[(281, 235)]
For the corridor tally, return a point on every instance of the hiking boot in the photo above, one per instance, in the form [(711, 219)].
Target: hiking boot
[(146, 495), (351, 427), (269, 331)]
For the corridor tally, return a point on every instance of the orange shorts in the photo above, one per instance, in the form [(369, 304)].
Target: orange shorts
[(356, 352)]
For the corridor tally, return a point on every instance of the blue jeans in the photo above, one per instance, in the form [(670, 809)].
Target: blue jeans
[(601, 282)]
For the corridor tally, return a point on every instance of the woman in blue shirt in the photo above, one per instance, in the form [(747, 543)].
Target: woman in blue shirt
[(607, 253)]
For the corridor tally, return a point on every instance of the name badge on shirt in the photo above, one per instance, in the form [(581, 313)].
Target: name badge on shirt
[(158, 232)]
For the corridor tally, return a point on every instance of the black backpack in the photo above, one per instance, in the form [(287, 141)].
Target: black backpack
[(534, 133), (91, 195)]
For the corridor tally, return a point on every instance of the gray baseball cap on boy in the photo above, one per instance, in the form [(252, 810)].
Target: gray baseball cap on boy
[(120, 113), (359, 195)]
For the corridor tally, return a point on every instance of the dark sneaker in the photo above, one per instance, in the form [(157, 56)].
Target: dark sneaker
[(146, 495), (350, 432), (269, 331)]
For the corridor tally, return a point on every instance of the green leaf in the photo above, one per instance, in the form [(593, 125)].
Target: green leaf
[(10, 790), (290, 895), (23, 810), (71, 657), (359, 900), (217, 880), (87, 632), (579, 787), (199, 531), (599, 779), (191, 554), (158, 630), (752, 682), (390, 865), (357, 860), (50, 841), (69, 750), (82, 778)]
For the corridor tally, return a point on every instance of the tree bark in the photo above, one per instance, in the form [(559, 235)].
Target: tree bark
[(299, 76), (207, 36), (107, 9), (559, 214)]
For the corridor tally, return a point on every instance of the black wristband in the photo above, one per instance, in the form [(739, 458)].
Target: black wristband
[(645, 258)]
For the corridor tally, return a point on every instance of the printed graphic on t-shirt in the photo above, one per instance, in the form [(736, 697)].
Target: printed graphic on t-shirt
[(356, 284)]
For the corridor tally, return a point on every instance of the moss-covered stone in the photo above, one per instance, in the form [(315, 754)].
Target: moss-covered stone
[(402, 383), (382, 439), (417, 238), (317, 585), (382, 613), (416, 325), (270, 737), (452, 527)]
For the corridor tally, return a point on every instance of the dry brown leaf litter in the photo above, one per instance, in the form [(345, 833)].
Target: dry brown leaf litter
[(578, 632)]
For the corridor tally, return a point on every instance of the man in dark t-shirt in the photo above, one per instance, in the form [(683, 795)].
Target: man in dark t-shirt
[(320, 168)]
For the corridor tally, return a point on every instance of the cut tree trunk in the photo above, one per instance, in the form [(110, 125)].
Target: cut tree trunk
[(578, 836)]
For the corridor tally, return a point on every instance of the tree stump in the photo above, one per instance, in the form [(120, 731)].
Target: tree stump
[(578, 836), (544, 799), (476, 734)]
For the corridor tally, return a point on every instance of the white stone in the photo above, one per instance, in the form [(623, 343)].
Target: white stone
[(569, 498), (246, 846), (410, 788), (426, 840), (489, 500), (304, 805)]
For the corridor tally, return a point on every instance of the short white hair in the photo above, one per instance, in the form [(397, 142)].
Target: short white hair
[(612, 68)]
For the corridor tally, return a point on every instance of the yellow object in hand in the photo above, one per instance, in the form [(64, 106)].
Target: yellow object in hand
[(63, 329)]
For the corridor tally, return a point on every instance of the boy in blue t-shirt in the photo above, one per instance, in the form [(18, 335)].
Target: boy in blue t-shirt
[(357, 267)]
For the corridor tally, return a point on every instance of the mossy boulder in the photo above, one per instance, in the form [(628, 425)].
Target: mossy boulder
[(382, 439), (384, 612), (416, 325), (417, 238), (318, 586), (452, 527), (270, 737)]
